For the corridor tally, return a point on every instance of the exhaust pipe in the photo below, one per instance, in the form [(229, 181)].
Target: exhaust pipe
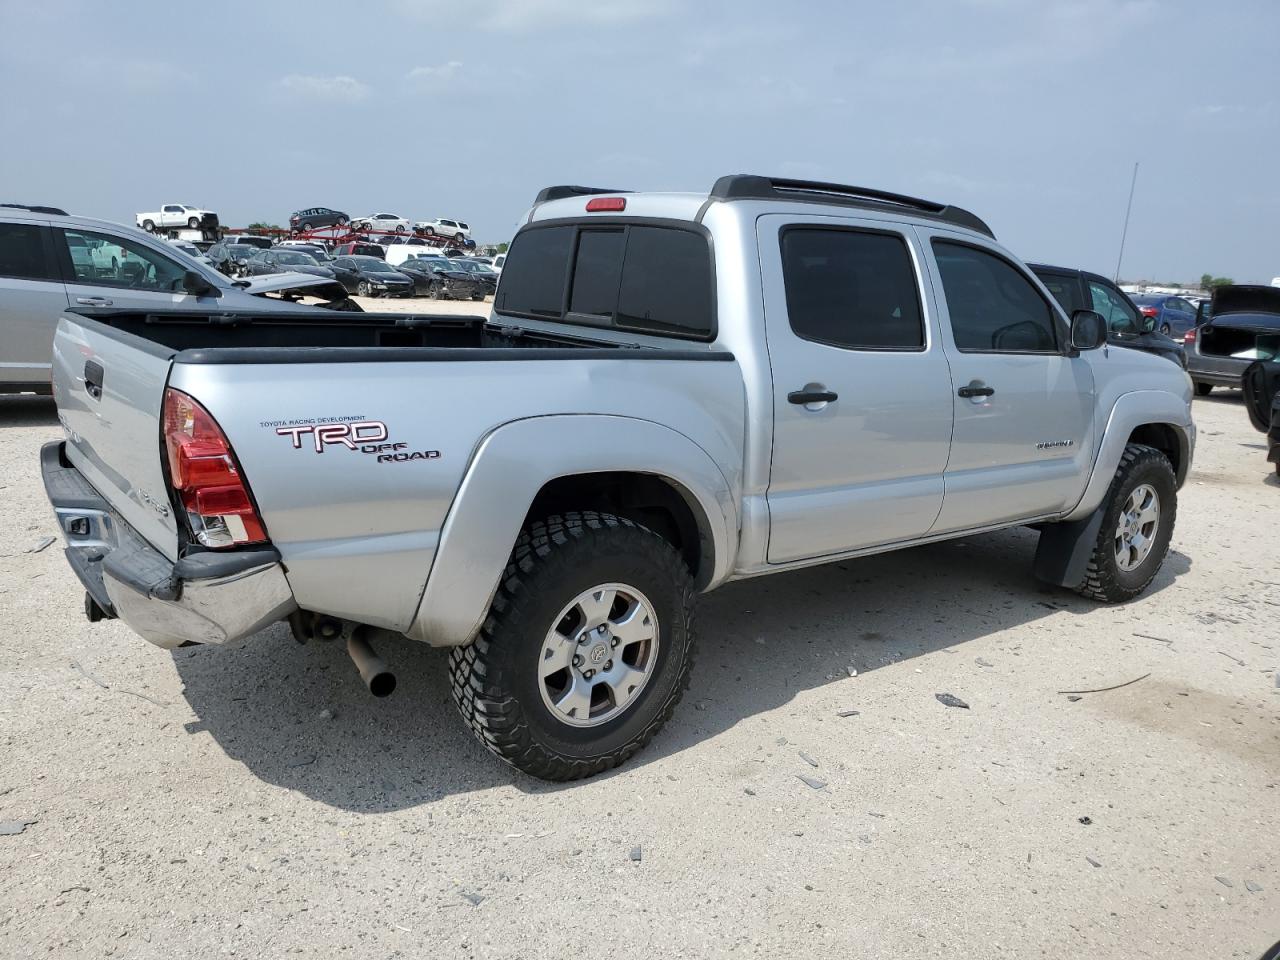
[(373, 669)]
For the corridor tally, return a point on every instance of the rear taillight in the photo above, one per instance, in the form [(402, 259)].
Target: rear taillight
[(206, 477), (1189, 337), (1149, 311)]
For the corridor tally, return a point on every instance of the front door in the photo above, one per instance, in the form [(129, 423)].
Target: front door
[(1023, 438), (862, 394), (104, 270)]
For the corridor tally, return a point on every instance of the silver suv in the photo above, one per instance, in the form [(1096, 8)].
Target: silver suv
[(50, 261)]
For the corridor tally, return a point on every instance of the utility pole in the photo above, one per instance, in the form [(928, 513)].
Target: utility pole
[(1125, 233)]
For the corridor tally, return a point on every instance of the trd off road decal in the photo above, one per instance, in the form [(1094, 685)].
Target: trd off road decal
[(355, 434)]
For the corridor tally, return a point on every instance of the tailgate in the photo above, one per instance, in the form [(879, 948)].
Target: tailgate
[(109, 387)]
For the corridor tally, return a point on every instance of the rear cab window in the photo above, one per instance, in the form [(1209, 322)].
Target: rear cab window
[(24, 252), (639, 276)]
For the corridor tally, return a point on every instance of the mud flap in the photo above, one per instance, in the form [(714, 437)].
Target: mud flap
[(1062, 556)]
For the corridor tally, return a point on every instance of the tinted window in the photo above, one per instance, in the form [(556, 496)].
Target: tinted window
[(666, 282), (597, 271), (993, 306), (1065, 289), (533, 282), (22, 252), (851, 289)]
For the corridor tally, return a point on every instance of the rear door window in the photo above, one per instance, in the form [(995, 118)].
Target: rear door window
[(852, 289), (22, 252)]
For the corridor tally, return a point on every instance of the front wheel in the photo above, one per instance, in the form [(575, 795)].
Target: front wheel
[(586, 650), (149, 226), (194, 223), (1165, 329), (1203, 389), (1140, 510), (362, 288)]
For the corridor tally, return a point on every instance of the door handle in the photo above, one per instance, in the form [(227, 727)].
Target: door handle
[(94, 301), (811, 396), (93, 374), (976, 389)]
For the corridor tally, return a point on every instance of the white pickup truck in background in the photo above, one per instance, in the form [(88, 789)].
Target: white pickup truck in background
[(174, 215)]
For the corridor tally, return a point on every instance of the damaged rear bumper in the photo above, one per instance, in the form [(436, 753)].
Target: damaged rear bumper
[(208, 597)]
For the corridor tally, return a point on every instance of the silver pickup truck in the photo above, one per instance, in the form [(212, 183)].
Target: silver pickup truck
[(673, 391)]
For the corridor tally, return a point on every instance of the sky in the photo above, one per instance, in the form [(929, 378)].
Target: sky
[(1031, 113)]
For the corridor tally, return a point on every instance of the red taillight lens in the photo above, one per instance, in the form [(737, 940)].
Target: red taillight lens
[(600, 204), (1189, 337), (1149, 311), (204, 472)]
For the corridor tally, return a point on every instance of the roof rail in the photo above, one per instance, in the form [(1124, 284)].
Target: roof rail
[(48, 211), (743, 186), (561, 192)]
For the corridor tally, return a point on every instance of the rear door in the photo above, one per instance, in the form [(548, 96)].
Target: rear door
[(110, 389), (122, 272), (862, 393), (31, 299), (1023, 437)]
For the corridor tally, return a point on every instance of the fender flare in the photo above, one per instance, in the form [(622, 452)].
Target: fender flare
[(1133, 410), (509, 467)]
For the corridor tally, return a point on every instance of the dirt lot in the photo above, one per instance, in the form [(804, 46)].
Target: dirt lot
[(256, 801)]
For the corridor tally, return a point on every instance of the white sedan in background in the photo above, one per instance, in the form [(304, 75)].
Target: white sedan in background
[(382, 222)]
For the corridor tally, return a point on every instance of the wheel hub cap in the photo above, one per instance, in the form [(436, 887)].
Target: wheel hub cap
[(599, 655), (1136, 531)]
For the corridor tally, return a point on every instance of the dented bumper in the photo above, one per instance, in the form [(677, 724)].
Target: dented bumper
[(207, 597)]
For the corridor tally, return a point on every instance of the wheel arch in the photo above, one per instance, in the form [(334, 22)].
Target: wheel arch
[(636, 468), (1154, 418)]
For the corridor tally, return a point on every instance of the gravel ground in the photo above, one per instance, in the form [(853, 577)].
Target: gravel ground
[(255, 801)]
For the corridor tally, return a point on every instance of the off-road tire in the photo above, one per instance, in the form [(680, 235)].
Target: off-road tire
[(1105, 580), (494, 678), (1203, 389)]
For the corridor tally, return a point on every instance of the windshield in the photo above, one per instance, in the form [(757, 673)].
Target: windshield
[(296, 258), (373, 265)]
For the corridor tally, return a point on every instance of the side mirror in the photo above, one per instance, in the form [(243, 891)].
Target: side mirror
[(197, 285), (1088, 330)]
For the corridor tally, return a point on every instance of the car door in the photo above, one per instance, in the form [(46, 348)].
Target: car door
[(171, 215), (140, 277), (1023, 425), (862, 395), (31, 298)]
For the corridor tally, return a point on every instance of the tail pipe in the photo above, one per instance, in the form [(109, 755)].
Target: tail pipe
[(375, 673)]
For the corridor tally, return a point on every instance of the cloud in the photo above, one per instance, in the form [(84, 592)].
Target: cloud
[(340, 89), (526, 15), (437, 74)]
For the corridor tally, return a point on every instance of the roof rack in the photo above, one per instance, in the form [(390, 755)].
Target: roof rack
[(48, 211), (743, 186), (561, 192)]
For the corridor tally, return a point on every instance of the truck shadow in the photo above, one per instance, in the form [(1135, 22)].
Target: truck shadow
[(27, 410), (298, 717)]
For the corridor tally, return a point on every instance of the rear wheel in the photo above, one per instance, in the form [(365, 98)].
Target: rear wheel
[(399, 228), (1203, 389), (459, 237), (306, 227), (1141, 508), (586, 650)]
